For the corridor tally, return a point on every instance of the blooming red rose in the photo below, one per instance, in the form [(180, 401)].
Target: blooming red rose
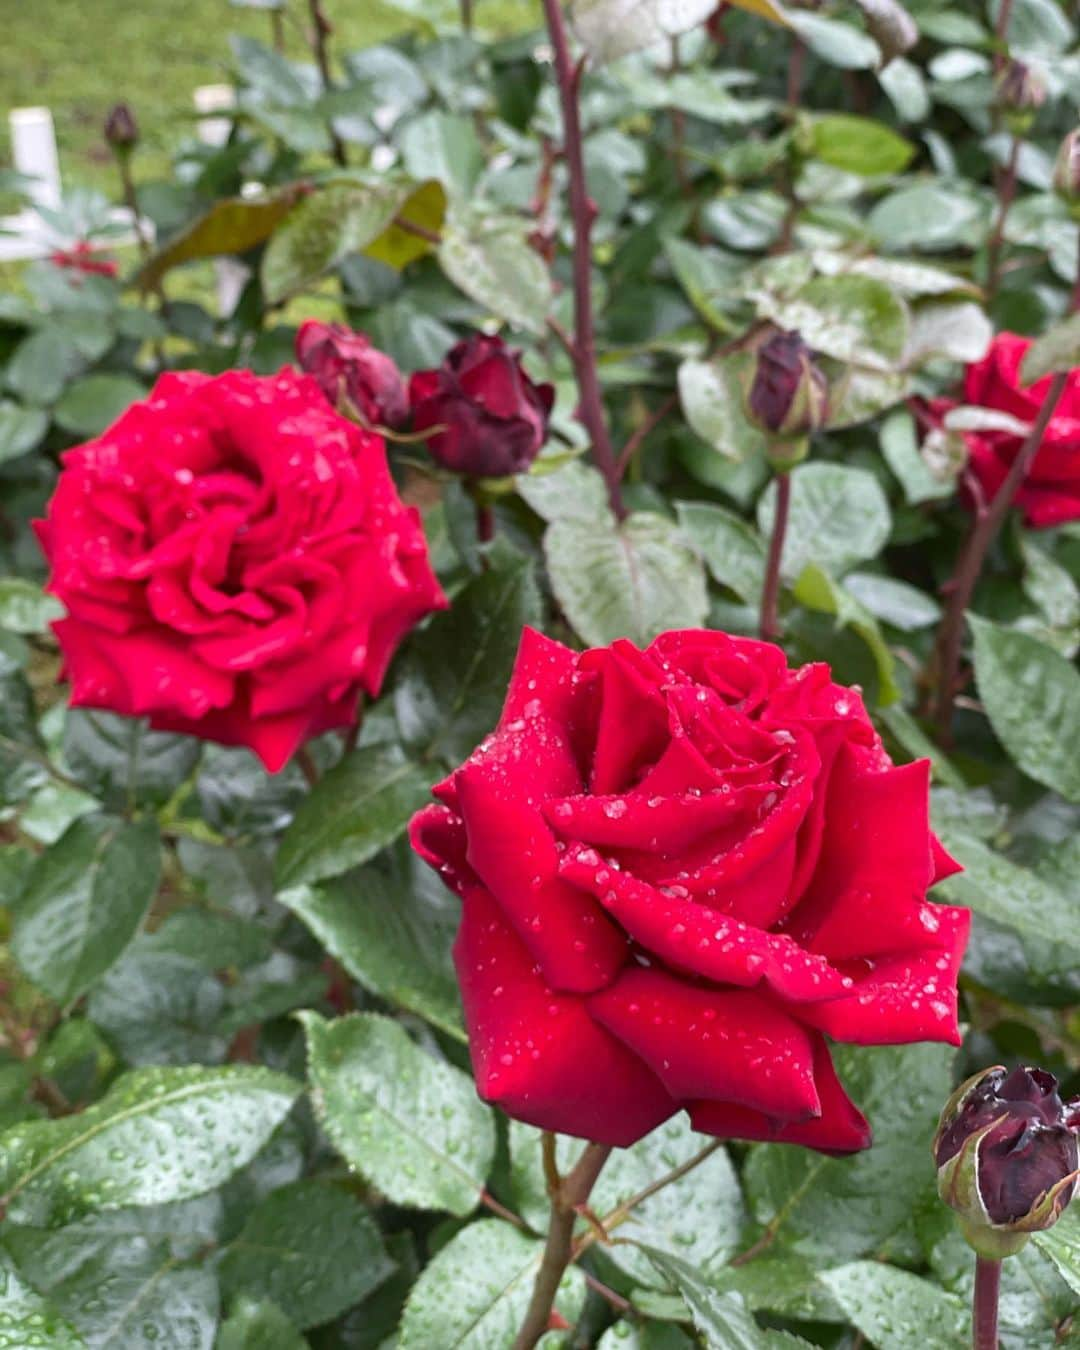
[(235, 562), (80, 257), (495, 417), (346, 365), (1050, 495), (682, 869)]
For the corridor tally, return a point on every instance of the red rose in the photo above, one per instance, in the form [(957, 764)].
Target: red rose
[(235, 562), (495, 417), (681, 870), (80, 258), (346, 365), (1050, 495)]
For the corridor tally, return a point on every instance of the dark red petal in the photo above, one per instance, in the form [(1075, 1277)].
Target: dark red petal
[(718, 1045), (537, 1053), (633, 725), (438, 836), (841, 1127)]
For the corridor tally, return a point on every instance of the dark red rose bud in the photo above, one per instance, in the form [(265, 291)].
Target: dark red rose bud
[(495, 418), (356, 377), (787, 393), (121, 129), (1008, 1156), (1067, 170), (714, 24)]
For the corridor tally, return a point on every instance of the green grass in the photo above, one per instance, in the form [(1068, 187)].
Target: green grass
[(79, 59)]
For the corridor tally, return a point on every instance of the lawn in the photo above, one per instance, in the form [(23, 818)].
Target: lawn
[(79, 59)]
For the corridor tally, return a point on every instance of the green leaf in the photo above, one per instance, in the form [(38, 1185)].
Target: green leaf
[(896, 1310), (392, 930), (818, 591), (1062, 1245), (343, 217), (454, 676), (838, 516), (732, 549), (1032, 697), (363, 803), (42, 364), (26, 1319), (858, 145), (84, 901), (25, 608), (491, 261), (851, 318), (840, 1209), (839, 44), (713, 401), (258, 1326), (634, 580), (612, 28), (121, 761), (93, 403), (1008, 893), (708, 277), (900, 448), (309, 1247), (410, 1123), (233, 225), (21, 429), (721, 1317), (894, 602), (949, 330), (158, 1135), (1058, 349), (445, 146), (929, 216), (574, 491), (474, 1294), (158, 1007)]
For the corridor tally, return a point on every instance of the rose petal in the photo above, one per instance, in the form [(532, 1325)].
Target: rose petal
[(537, 1053), (633, 723), (705, 1043)]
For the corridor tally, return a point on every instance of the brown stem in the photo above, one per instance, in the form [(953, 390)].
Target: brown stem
[(467, 15), (421, 231), (633, 445), (1006, 193), (984, 1310), (321, 28), (131, 201), (796, 66), (988, 521), (583, 211), (1001, 33), (277, 26), (307, 765), (770, 594), (566, 1195), (485, 523)]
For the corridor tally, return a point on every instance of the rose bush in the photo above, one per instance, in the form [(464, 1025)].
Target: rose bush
[(493, 418), (681, 870), (235, 563)]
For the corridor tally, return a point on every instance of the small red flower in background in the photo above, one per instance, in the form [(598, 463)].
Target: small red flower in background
[(1050, 495), (80, 257), (681, 870), (494, 416), (235, 562), (347, 366)]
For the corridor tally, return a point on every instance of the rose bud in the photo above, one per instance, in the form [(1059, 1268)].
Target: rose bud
[(121, 129), (787, 395), (714, 24), (1008, 1156), (494, 418), (1067, 169), (356, 377), (1019, 92)]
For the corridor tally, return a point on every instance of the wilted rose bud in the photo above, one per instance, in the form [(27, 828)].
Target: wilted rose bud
[(356, 377), (121, 129), (1067, 169), (494, 417), (787, 393), (1019, 92), (1008, 1156)]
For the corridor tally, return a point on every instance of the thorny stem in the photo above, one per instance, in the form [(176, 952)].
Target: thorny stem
[(769, 626), (567, 1194), (984, 1308), (583, 211), (1006, 193), (321, 28)]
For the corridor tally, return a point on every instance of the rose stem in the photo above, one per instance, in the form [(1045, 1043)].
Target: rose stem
[(984, 1308), (485, 523), (321, 28), (987, 523), (796, 63), (567, 1193), (583, 211), (1001, 32), (1006, 193), (770, 594), (307, 765), (466, 15)]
